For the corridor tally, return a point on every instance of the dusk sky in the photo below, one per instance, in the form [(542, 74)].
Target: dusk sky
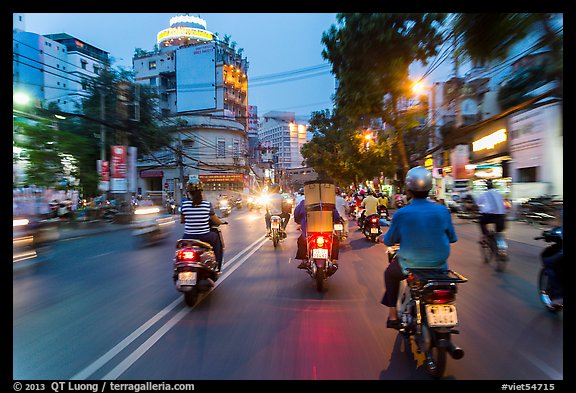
[(274, 43)]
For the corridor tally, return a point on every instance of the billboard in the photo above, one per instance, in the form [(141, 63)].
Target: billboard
[(196, 78), (118, 169)]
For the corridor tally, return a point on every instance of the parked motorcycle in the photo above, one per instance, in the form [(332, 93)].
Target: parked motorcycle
[(427, 307), (550, 277), (371, 228), (320, 265), (276, 231), (195, 267)]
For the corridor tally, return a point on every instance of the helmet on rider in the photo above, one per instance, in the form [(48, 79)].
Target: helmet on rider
[(419, 179), (194, 184), (362, 192)]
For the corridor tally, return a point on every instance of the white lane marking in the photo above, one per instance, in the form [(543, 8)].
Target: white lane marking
[(101, 361), (142, 349)]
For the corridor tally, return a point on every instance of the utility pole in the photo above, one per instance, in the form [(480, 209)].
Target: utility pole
[(457, 111), (180, 163)]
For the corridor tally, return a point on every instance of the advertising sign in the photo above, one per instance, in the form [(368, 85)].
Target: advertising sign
[(104, 172), (196, 78), (118, 169)]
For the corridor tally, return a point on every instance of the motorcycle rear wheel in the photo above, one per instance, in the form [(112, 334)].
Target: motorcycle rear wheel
[(275, 237), (191, 297), (435, 363), (320, 275)]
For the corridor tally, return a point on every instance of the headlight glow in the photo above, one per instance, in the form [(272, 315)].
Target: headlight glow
[(20, 222), (147, 210)]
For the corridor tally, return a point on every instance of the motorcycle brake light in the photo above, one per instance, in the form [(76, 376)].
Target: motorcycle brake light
[(320, 241), (374, 220), (440, 296), (187, 254)]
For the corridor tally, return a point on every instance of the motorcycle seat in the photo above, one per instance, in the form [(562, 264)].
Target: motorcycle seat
[(183, 243)]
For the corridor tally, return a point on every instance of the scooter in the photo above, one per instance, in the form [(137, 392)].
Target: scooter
[(276, 231), (427, 308), (195, 268), (225, 207), (320, 265), (371, 228), (550, 278)]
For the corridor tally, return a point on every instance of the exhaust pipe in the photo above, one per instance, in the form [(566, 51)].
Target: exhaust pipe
[(455, 351)]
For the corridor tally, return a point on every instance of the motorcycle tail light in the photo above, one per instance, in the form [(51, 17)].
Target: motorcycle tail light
[(440, 296), (187, 254), (320, 241), (374, 220)]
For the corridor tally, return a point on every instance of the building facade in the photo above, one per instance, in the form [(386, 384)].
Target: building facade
[(202, 83)]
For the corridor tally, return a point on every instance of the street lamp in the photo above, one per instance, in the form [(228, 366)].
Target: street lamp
[(21, 98)]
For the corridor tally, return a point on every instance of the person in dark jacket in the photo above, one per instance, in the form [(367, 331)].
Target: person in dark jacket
[(302, 252)]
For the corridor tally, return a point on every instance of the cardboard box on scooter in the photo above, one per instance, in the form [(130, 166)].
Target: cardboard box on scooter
[(320, 200)]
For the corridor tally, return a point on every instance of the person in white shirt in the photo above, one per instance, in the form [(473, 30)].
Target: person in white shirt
[(343, 209), (275, 207), (491, 208)]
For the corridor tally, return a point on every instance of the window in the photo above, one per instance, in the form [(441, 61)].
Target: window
[(151, 65), (527, 175), (221, 147), (153, 81), (83, 63), (236, 148)]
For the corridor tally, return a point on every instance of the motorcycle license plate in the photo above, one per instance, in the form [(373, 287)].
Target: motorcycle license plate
[(440, 315), (373, 230), (275, 225), (320, 253), (187, 278), (338, 227)]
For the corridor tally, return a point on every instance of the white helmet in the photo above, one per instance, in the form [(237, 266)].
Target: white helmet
[(419, 179)]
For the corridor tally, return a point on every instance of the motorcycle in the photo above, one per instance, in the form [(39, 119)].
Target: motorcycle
[(238, 203), (320, 265), (195, 267), (495, 248), (427, 308), (552, 267), (32, 238), (225, 207), (276, 231), (148, 228), (360, 216), (339, 231), (371, 228)]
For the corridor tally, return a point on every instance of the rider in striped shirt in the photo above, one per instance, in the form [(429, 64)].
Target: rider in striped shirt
[(198, 215)]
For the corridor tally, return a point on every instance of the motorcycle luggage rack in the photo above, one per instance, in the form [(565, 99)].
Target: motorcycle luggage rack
[(191, 243), (437, 275)]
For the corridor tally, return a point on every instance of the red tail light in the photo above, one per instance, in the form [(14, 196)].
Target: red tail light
[(374, 220), (440, 296), (187, 254), (321, 241)]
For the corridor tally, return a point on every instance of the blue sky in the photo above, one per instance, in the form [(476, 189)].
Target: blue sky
[(273, 43)]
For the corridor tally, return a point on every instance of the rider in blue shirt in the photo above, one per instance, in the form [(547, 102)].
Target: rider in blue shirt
[(424, 231)]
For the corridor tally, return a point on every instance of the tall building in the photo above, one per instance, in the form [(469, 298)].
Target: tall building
[(55, 68), (202, 83), (282, 138)]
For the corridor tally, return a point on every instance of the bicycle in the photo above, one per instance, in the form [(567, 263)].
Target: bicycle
[(495, 248)]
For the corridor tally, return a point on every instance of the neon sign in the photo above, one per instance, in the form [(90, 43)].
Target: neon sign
[(489, 141), (181, 31)]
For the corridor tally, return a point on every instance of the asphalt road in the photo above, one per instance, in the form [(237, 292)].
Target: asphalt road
[(102, 307)]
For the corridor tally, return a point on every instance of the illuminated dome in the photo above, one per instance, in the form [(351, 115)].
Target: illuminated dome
[(184, 30)]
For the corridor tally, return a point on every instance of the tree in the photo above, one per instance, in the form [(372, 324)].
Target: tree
[(371, 55)]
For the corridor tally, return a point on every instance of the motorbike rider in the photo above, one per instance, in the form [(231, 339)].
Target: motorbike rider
[(343, 210), (424, 231), (370, 203), (275, 207), (492, 209), (197, 215), (302, 251)]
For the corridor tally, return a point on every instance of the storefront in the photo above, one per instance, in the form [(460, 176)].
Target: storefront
[(223, 182), (490, 158)]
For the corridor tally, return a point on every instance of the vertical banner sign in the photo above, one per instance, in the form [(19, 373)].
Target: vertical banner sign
[(118, 172), (104, 172), (132, 173)]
